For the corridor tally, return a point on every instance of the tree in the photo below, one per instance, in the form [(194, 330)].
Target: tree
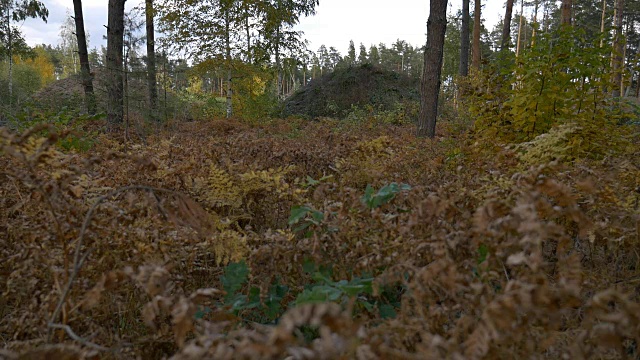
[(566, 12), (362, 56), (464, 40), (207, 31), (618, 49), (351, 54), (69, 46), (278, 19), (15, 11), (151, 61), (506, 26), (476, 34), (430, 84), (374, 55), (83, 54), (115, 42)]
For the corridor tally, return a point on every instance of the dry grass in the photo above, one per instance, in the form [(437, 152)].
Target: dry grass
[(113, 253)]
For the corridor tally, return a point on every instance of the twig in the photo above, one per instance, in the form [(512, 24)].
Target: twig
[(78, 260), (77, 338)]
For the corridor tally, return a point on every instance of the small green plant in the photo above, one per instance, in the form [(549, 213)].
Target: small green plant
[(253, 306), (304, 216), (373, 199)]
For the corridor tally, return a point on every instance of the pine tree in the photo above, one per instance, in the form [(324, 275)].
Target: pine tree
[(430, 85)]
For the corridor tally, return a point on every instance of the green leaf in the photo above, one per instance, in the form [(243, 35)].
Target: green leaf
[(318, 294), (298, 213), (387, 311), (483, 251), (235, 275)]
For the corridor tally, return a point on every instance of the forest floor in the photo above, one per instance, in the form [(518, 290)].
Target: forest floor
[(315, 239)]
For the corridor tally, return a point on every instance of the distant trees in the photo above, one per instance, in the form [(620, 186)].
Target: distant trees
[(430, 85), (213, 31), (14, 11)]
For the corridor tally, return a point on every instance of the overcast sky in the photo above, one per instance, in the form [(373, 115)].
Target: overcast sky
[(336, 21)]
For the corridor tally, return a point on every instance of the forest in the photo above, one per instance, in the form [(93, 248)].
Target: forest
[(207, 186)]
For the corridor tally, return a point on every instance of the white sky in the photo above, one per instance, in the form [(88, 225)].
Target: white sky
[(336, 21)]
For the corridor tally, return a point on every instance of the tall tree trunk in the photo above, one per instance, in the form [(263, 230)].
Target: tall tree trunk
[(248, 30), (535, 22), (604, 13), (476, 34), (618, 49), (10, 53), (115, 40), (464, 40), (278, 67), (506, 27), (85, 70), (567, 7), (430, 85), (520, 28), (227, 44), (151, 61)]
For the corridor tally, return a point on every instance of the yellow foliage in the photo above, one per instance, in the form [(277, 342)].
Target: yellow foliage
[(41, 64), (366, 162), (552, 146), (227, 246), (220, 189)]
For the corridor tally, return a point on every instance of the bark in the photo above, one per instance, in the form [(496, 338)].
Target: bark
[(567, 6), (248, 30), (430, 84), (115, 39), (535, 22), (10, 53), (85, 70), (227, 44), (464, 40), (604, 13), (618, 49), (476, 35), (278, 67), (151, 62), (506, 28), (520, 28)]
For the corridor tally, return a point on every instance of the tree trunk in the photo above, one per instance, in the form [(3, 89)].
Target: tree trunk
[(618, 49), (604, 13), (567, 6), (151, 62), (476, 34), (535, 22), (278, 67), (85, 70), (430, 85), (227, 44), (520, 28), (464, 40), (248, 30), (506, 28), (115, 33), (10, 53)]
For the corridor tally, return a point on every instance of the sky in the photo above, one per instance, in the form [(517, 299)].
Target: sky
[(336, 21)]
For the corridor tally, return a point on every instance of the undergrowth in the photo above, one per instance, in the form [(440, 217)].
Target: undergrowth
[(221, 240)]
